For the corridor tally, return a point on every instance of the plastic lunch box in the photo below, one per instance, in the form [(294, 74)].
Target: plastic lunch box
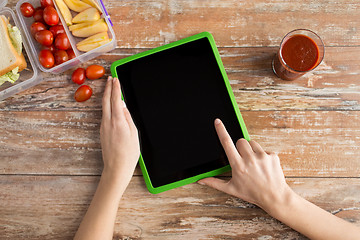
[(33, 74)]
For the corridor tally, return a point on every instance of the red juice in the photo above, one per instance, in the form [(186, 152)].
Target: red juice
[(298, 54)]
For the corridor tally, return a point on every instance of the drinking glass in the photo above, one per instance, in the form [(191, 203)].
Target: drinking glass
[(301, 51)]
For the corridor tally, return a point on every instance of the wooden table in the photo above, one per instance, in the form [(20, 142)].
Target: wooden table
[(50, 155)]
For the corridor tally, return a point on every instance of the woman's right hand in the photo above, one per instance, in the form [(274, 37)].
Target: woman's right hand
[(257, 176)]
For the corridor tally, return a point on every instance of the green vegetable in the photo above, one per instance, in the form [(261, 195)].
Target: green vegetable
[(11, 76), (15, 37)]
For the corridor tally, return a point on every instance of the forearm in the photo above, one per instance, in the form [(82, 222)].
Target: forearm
[(99, 220), (312, 221)]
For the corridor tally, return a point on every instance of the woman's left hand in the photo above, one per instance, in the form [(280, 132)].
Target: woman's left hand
[(118, 134)]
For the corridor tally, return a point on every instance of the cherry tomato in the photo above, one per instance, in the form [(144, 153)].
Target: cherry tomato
[(46, 58), (51, 48), (70, 53), (51, 17), (27, 9), (44, 37), (45, 3), (38, 15), (56, 30), (95, 72), (83, 93), (37, 27), (78, 76), (62, 42), (60, 56)]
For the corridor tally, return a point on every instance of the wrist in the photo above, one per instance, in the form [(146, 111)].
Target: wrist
[(115, 177), (281, 203)]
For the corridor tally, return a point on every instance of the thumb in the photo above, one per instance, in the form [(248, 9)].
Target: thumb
[(216, 183)]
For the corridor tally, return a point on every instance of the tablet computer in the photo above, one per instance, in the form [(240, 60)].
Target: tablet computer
[(174, 93)]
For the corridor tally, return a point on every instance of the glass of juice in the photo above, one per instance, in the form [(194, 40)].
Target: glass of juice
[(301, 51)]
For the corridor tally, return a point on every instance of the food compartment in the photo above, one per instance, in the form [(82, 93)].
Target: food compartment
[(80, 55), (29, 76), (84, 56), (35, 46)]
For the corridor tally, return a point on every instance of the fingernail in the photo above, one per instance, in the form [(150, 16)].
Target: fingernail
[(114, 79), (217, 121), (201, 183), (109, 78)]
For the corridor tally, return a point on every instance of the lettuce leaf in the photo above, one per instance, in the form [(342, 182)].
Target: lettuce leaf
[(15, 37), (11, 76)]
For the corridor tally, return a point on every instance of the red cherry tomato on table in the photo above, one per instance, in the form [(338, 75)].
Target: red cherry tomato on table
[(71, 53), (45, 3), (27, 9), (95, 72), (51, 17), (62, 42), (78, 76), (60, 56), (57, 30), (83, 93), (37, 27), (38, 15), (44, 37), (46, 58)]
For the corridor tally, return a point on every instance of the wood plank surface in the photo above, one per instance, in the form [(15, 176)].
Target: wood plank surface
[(234, 23), (310, 143), (334, 85), (50, 153), (51, 207)]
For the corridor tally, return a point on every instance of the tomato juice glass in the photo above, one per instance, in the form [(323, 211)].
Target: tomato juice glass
[(301, 51)]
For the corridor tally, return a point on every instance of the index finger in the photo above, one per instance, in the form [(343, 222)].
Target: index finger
[(227, 143)]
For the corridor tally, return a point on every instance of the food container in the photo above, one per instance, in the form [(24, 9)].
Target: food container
[(33, 74)]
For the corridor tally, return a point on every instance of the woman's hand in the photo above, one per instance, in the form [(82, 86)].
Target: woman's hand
[(118, 134), (257, 176), (120, 149)]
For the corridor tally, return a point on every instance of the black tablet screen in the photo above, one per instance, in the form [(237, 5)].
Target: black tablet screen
[(174, 97)]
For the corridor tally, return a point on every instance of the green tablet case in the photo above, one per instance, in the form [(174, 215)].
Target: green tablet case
[(212, 173)]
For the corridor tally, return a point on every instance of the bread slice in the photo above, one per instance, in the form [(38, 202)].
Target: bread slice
[(9, 59)]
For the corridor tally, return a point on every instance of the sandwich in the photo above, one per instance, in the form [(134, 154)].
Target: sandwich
[(12, 60)]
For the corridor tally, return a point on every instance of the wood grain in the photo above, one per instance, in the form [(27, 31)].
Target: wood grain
[(234, 23), (50, 207), (334, 85), (310, 143), (50, 154)]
